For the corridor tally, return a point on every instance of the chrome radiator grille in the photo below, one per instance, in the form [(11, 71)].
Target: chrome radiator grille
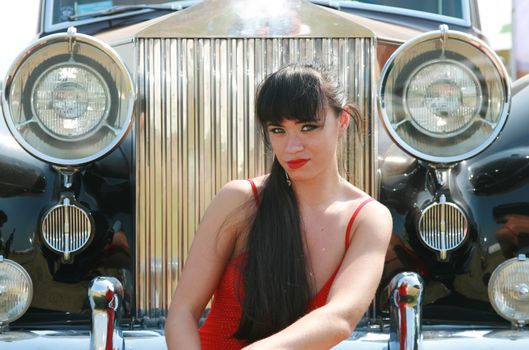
[(196, 131)]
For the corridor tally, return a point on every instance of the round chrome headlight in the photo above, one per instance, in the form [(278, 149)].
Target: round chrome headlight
[(68, 99), (16, 291), (509, 290), (444, 96)]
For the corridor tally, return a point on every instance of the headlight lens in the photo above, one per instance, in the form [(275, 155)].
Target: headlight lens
[(509, 290), (68, 99), (16, 291), (444, 96)]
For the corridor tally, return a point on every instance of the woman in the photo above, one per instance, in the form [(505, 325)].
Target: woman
[(293, 257)]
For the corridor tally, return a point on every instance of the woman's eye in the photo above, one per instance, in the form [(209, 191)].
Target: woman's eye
[(276, 130), (309, 127)]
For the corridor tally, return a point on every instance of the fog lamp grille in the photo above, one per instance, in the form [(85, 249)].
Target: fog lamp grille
[(443, 227), (67, 228)]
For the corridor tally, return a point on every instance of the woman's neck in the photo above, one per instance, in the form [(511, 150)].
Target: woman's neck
[(319, 191)]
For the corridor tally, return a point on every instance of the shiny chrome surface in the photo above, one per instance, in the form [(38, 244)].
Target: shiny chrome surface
[(254, 19), (196, 131), (405, 298), (75, 339), (433, 339), (443, 227), (105, 295), (67, 228)]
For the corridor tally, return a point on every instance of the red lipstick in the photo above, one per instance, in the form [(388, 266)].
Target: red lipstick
[(297, 163)]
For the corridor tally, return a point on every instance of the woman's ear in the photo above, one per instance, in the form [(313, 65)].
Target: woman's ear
[(344, 119)]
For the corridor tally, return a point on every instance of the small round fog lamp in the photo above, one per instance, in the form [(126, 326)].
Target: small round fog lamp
[(16, 291), (509, 290)]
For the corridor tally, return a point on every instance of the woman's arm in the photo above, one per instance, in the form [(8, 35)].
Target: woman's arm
[(351, 293), (212, 248)]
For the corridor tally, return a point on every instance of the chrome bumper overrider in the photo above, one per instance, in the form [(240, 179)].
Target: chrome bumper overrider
[(105, 295), (405, 299)]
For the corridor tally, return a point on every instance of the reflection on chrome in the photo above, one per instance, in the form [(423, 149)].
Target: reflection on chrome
[(105, 295), (405, 295)]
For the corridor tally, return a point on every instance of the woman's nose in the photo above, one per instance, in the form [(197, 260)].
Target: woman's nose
[(294, 144)]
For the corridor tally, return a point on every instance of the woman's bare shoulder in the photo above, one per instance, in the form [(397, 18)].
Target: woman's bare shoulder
[(260, 181), (237, 194), (371, 212), (234, 193)]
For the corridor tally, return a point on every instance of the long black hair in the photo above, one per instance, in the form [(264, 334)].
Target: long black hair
[(275, 282)]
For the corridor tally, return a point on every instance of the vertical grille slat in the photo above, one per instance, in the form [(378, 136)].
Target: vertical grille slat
[(196, 131)]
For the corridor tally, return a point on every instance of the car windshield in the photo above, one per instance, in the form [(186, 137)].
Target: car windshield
[(68, 10), (450, 8)]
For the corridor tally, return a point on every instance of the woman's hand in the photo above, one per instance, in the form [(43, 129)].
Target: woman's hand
[(352, 290)]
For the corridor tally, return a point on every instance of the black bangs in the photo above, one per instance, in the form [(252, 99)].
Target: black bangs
[(294, 93)]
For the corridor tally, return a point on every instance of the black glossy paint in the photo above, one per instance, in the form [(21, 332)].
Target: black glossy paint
[(28, 188), (493, 190)]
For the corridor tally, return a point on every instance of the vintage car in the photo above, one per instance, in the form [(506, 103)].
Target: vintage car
[(122, 121)]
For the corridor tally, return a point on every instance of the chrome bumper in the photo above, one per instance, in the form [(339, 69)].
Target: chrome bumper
[(53, 340), (433, 339), (445, 338), (404, 332)]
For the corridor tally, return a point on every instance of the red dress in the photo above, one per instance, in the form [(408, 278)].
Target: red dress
[(225, 314)]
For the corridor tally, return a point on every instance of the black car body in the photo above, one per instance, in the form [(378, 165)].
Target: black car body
[(110, 207)]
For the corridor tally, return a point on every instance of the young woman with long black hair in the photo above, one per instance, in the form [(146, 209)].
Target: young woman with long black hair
[(293, 258)]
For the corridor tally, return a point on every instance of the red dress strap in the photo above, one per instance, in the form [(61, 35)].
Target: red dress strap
[(350, 225), (255, 192)]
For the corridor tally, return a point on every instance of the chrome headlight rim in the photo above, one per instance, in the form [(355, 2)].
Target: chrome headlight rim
[(124, 76), (491, 291), (23, 273), (409, 46)]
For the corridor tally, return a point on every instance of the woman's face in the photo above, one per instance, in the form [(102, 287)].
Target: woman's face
[(307, 149)]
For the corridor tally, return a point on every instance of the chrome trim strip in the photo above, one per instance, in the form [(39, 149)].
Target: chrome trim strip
[(405, 298), (196, 131), (105, 295)]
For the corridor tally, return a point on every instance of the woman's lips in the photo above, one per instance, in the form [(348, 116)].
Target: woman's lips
[(296, 163)]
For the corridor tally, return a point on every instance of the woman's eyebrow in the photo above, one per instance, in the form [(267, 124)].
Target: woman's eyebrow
[(273, 124)]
